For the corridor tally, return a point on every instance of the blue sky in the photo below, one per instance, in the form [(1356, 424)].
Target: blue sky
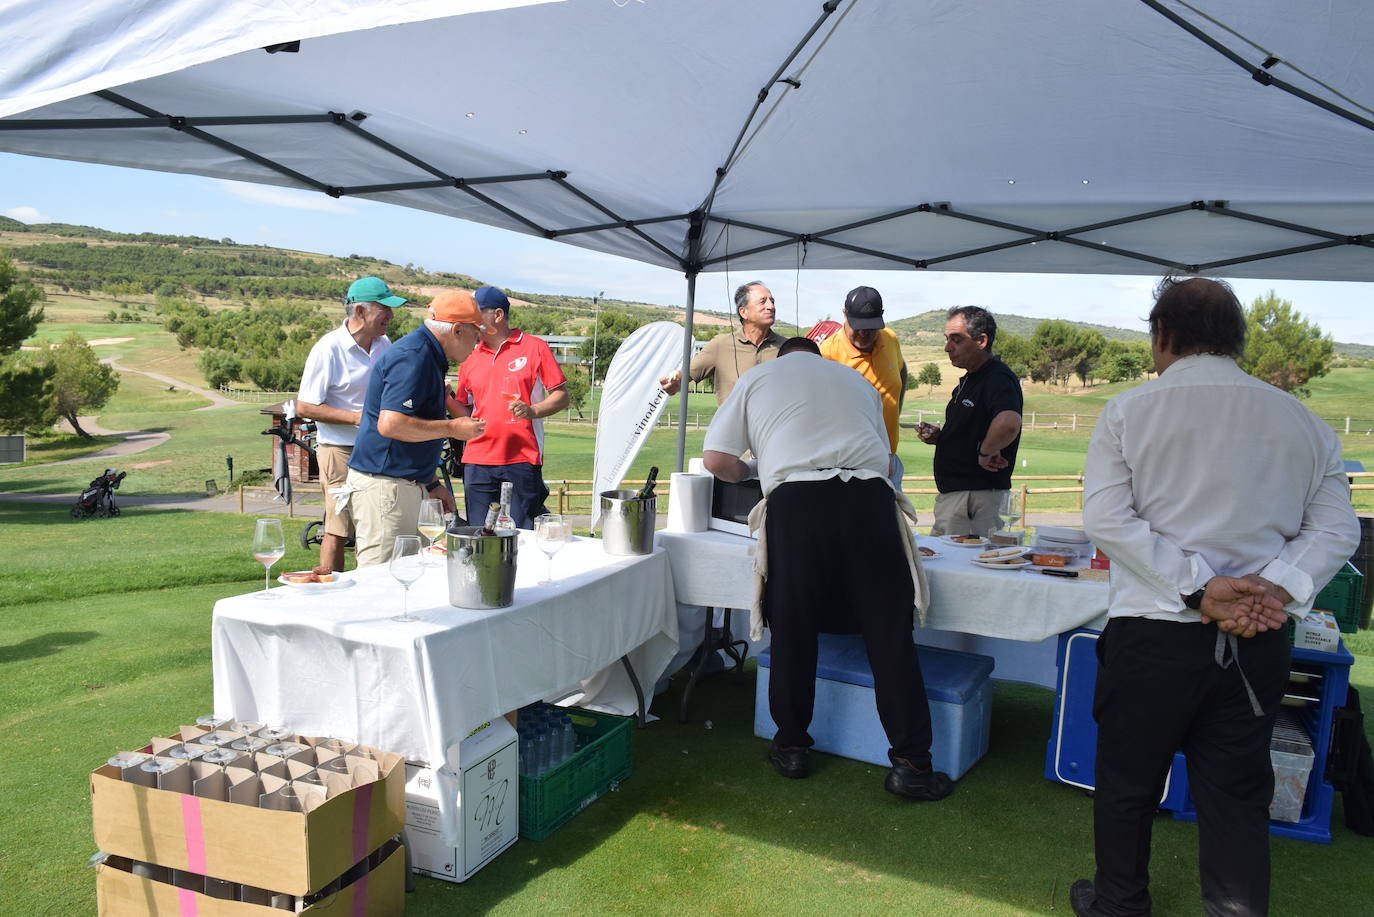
[(33, 189)]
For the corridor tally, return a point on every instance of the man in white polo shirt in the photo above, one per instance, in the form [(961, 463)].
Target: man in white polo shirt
[(331, 394)]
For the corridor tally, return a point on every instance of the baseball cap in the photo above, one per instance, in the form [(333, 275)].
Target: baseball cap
[(374, 289), (491, 298), (455, 306), (863, 309)]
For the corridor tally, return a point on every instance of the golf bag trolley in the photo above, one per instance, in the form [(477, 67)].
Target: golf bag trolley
[(98, 498), (450, 463)]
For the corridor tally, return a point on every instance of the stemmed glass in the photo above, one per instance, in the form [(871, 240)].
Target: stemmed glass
[(431, 526), (1009, 508), (406, 569), (551, 532), (510, 391), (269, 544)]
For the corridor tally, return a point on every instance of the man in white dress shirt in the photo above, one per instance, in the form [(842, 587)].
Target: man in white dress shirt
[(1222, 504), (331, 394)]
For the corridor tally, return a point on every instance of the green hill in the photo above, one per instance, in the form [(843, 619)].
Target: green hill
[(89, 260)]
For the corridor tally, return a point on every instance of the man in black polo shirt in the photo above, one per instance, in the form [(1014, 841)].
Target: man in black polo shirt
[(975, 450), (405, 420)]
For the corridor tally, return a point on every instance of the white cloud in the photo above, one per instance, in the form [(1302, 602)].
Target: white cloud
[(26, 215), (274, 196)]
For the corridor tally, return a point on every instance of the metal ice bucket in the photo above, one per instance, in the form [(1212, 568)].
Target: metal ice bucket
[(627, 522), (481, 568)]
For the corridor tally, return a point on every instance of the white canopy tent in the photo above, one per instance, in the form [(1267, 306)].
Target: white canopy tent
[(1066, 136)]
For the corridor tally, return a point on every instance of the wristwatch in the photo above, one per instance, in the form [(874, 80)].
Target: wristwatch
[(1194, 601), (433, 486), (982, 454)]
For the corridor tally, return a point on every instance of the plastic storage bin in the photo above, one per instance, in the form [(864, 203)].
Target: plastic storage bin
[(602, 761), (1341, 597), (1292, 768), (845, 721)]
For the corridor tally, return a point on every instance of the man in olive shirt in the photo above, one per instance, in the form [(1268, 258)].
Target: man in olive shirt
[(726, 356)]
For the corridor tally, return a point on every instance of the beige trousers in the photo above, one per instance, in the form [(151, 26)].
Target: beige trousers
[(382, 508), (333, 462), (968, 512)]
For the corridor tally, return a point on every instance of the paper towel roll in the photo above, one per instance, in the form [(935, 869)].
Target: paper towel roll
[(689, 502)]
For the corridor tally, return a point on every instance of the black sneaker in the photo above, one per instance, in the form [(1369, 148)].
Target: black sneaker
[(912, 783), (790, 762)]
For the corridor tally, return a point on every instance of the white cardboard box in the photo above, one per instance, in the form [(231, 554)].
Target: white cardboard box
[(488, 805), (1318, 631)]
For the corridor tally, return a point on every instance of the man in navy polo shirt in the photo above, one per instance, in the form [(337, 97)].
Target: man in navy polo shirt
[(404, 423)]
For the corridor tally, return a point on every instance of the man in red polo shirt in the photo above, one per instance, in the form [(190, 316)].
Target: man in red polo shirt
[(511, 381)]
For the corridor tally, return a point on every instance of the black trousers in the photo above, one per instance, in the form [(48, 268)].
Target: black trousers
[(835, 563), (1160, 689)]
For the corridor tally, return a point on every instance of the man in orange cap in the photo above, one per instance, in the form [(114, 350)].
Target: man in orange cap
[(404, 423)]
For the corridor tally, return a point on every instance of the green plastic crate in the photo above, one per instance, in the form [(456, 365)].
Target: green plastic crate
[(1341, 597), (602, 762)]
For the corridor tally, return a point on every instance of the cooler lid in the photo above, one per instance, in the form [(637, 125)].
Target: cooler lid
[(951, 677)]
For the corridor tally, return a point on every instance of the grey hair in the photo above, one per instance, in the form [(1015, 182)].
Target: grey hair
[(365, 305), (978, 320), (438, 327), (742, 294)]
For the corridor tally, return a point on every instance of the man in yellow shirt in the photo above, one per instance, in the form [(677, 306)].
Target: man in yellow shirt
[(871, 348)]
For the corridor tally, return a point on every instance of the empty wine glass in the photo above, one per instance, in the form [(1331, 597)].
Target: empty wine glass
[(551, 532), (268, 547), (405, 569), (431, 527)]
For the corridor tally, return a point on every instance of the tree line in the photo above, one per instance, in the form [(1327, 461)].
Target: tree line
[(38, 387)]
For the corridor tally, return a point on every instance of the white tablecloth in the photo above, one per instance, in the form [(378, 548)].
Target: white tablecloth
[(715, 568), (333, 663)]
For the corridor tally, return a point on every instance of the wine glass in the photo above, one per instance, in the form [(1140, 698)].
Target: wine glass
[(510, 391), (268, 547), (406, 569), (431, 526), (551, 532), (1009, 508)]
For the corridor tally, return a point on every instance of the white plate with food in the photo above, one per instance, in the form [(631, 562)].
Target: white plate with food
[(1013, 562), (927, 553), (310, 581), (963, 541), (1000, 553)]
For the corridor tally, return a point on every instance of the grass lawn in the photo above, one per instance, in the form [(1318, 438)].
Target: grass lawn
[(104, 641)]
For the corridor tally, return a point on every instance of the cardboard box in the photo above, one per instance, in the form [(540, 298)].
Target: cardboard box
[(1317, 631), (119, 893), (487, 797), (292, 852)]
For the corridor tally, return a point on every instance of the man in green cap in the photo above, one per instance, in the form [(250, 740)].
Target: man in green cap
[(331, 394)]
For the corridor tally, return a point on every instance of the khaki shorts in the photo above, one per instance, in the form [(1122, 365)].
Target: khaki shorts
[(382, 508), (333, 462), (968, 512)]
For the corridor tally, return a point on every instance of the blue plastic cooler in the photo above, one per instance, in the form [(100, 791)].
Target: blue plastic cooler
[(845, 721)]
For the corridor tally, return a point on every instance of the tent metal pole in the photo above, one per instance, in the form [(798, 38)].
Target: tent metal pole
[(686, 367)]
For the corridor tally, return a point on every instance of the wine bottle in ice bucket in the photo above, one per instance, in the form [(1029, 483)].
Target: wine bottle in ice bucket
[(505, 524), (647, 490)]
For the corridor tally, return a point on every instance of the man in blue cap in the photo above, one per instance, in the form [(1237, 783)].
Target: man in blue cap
[(512, 381), (332, 389)]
